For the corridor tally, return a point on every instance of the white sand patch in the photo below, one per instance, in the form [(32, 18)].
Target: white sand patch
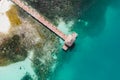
[(31, 53), (5, 5), (17, 70), (13, 71), (4, 21), (65, 28)]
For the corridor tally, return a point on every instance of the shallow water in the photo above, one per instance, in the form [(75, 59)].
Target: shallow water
[(92, 58), (95, 58)]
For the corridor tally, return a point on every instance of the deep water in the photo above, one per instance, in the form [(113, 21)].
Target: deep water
[(95, 58)]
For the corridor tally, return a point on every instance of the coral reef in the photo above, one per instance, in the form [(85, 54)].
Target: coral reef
[(77, 10), (26, 34)]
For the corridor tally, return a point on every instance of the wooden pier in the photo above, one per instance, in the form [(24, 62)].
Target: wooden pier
[(69, 39)]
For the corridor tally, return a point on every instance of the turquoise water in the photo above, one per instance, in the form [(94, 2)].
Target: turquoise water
[(95, 58)]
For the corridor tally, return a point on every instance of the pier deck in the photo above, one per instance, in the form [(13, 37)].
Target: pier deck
[(69, 39)]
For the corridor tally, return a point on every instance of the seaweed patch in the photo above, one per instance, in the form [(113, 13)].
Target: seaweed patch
[(13, 16)]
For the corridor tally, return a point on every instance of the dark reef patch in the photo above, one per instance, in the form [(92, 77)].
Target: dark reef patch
[(27, 76), (92, 11), (12, 51)]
